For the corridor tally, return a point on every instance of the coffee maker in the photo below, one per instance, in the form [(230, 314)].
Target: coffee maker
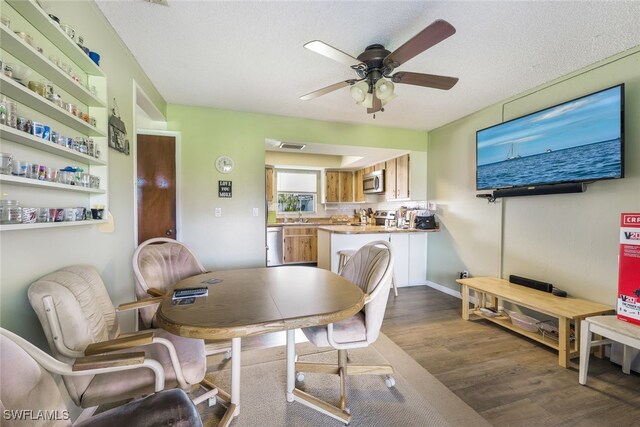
[(425, 220)]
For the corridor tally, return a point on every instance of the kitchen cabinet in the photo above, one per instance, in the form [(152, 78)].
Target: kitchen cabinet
[(269, 183), (300, 244), (358, 178), (27, 147), (338, 186), (397, 178), (409, 250), (390, 179)]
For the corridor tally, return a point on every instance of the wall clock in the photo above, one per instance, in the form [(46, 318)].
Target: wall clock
[(224, 164)]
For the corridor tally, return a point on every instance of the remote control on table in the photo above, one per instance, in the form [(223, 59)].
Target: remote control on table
[(190, 292)]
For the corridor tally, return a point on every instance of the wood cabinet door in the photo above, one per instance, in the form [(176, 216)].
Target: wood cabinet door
[(379, 166), (346, 187), (332, 186), (367, 170), (390, 180), (358, 194), (300, 249), (268, 180), (402, 177)]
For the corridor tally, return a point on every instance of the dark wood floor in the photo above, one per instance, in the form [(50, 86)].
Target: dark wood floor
[(508, 379)]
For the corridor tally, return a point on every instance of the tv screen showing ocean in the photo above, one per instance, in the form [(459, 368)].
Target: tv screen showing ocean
[(579, 140), (583, 163)]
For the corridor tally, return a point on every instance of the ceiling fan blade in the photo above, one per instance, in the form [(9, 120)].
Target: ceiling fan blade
[(332, 53), (426, 80), (325, 90), (377, 104), (430, 36)]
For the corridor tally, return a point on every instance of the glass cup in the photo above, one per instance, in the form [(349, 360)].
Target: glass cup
[(44, 215), (33, 171), (6, 163)]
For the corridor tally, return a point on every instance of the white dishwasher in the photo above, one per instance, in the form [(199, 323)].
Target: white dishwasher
[(274, 246)]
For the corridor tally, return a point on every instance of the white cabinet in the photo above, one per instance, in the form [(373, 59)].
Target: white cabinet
[(27, 16), (409, 252), (400, 247)]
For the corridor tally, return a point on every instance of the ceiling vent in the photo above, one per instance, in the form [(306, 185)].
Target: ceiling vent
[(160, 2), (292, 146)]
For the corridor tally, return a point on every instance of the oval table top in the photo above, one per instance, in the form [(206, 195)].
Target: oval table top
[(255, 301)]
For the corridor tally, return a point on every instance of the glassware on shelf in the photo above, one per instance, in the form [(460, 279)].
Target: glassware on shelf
[(6, 163), (10, 212)]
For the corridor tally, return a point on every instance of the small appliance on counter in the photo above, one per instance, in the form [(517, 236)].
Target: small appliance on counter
[(425, 220), (384, 217)]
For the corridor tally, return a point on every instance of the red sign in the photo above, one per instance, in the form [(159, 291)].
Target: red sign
[(628, 307)]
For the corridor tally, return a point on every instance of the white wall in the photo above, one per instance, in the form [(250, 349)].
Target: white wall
[(570, 240)]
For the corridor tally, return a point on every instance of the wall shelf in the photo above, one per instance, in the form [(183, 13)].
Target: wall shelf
[(23, 138), (51, 30), (28, 182), (43, 66), (21, 94), (13, 227)]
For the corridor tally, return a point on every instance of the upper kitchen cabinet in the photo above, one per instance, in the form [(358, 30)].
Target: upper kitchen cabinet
[(406, 177), (269, 183), (57, 130), (358, 178), (338, 186)]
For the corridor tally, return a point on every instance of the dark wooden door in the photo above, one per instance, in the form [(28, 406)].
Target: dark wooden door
[(156, 187)]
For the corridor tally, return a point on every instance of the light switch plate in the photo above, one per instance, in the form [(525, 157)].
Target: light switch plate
[(256, 212), (218, 212)]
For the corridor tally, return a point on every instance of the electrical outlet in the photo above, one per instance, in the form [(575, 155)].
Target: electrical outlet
[(463, 274), (218, 212)]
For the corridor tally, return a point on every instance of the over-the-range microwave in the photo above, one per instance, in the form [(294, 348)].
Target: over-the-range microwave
[(373, 182)]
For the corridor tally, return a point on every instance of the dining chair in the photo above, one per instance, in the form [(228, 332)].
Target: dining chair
[(158, 264), (30, 396), (79, 320), (370, 268)]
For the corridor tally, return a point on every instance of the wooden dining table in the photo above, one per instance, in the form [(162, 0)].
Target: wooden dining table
[(254, 301)]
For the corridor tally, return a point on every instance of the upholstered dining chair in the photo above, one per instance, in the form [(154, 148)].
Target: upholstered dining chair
[(158, 264), (30, 396), (79, 320), (370, 268)]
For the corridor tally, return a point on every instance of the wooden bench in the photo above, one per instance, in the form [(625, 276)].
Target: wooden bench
[(490, 291)]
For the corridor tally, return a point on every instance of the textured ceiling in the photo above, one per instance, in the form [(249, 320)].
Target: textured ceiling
[(248, 56)]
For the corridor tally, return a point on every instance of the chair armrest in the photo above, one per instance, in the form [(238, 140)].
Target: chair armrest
[(154, 292), (139, 304), (123, 343), (108, 361)]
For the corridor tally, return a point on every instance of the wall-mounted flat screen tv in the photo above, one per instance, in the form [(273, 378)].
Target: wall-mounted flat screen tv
[(578, 141)]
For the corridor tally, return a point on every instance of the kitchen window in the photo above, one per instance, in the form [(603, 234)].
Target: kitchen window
[(297, 190)]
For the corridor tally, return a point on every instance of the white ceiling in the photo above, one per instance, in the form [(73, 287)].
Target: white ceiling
[(248, 56)]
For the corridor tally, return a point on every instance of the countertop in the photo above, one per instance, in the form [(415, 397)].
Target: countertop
[(369, 229)]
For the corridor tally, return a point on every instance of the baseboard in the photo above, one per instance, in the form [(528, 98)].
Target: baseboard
[(444, 289)]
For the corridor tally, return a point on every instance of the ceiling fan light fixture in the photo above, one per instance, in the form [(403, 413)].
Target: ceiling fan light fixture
[(359, 91), (368, 101), (389, 99), (384, 90)]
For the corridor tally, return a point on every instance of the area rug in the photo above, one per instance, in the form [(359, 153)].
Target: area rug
[(418, 399)]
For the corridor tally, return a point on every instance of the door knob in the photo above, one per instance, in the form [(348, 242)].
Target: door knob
[(169, 232)]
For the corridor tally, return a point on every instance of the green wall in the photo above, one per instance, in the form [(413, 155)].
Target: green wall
[(237, 239), (569, 240)]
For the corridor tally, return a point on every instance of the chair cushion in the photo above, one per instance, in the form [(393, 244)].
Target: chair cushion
[(348, 330), (133, 383), (167, 408), (26, 385)]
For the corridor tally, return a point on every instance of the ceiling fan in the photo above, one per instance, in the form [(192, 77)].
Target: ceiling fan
[(374, 86)]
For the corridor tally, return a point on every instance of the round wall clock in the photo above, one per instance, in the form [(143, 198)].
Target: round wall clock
[(224, 164)]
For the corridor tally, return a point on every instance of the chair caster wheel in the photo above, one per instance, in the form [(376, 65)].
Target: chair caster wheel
[(227, 355), (390, 381), (348, 411), (212, 401), (299, 377)]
